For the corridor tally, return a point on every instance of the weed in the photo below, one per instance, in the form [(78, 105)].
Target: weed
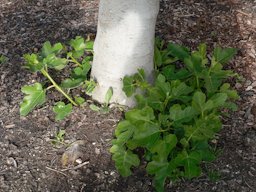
[(176, 118), (57, 57)]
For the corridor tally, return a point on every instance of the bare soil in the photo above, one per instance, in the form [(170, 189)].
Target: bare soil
[(28, 160)]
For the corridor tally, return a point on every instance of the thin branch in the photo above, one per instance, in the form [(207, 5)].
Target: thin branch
[(76, 167), (57, 171)]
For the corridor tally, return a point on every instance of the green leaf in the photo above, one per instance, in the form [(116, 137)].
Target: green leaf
[(55, 62), (48, 49), (124, 159), (128, 86), (171, 73), (232, 94), (223, 55), (202, 50), (157, 57), (60, 135), (94, 107), (155, 166), (71, 83), (137, 115), (82, 71), (230, 105), (3, 59), (124, 131), (108, 96), (155, 99), (139, 76), (195, 64), (204, 128), (178, 51), (182, 115), (199, 102), (35, 95), (205, 150), (180, 88), (89, 46), (78, 43), (164, 147), (219, 99), (191, 164), (161, 171), (33, 63), (79, 100), (76, 54), (90, 86), (62, 110), (163, 86), (144, 132), (79, 46), (212, 83)]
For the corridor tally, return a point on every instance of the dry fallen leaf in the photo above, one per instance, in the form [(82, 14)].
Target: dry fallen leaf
[(73, 152)]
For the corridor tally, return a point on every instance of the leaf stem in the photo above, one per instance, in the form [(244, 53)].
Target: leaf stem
[(75, 61), (197, 82), (49, 87), (57, 87)]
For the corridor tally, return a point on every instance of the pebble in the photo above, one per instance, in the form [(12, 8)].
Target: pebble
[(254, 84), (88, 171), (225, 171), (249, 88), (106, 172), (247, 83), (12, 161), (44, 175), (239, 181), (97, 175), (112, 173), (238, 85), (10, 126), (97, 151)]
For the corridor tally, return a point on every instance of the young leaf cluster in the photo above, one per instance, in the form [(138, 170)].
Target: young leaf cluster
[(175, 118), (3, 59), (77, 55), (105, 106)]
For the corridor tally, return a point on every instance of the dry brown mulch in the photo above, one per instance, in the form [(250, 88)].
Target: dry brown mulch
[(28, 160)]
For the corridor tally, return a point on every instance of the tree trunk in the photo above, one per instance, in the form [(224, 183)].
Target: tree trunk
[(124, 43)]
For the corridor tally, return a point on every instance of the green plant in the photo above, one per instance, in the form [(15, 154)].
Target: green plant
[(3, 59), (59, 137), (57, 57), (176, 117), (214, 175), (105, 106)]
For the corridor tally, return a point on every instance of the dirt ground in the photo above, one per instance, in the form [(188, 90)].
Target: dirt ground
[(28, 160)]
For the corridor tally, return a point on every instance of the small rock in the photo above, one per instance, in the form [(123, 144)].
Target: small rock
[(106, 172), (79, 161), (10, 126), (12, 161), (247, 83), (254, 84), (112, 173), (249, 88), (238, 85), (88, 171), (44, 175), (225, 171), (97, 151), (97, 175), (239, 181)]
